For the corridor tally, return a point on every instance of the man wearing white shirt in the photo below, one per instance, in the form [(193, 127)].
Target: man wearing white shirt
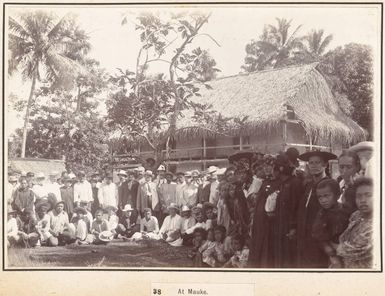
[(190, 191), (108, 193), (52, 185), (82, 190), (180, 184), (172, 225), (213, 197), (39, 188)]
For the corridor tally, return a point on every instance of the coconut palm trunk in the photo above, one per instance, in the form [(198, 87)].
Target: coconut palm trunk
[(26, 118)]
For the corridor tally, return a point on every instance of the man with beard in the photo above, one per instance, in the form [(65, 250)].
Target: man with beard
[(309, 253)]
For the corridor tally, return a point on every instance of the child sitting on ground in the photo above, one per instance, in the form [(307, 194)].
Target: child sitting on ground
[(241, 253), (13, 237), (80, 226), (214, 254), (199, 238), (330, 221), (98, 226), (44, 225), (112, 218)]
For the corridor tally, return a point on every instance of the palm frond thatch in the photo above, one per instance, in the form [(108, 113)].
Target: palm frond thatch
[(262, 97)]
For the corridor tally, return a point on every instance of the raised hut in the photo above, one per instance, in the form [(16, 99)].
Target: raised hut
[(291, 106)]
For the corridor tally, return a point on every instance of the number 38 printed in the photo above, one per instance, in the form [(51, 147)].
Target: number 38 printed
[(156, 291)]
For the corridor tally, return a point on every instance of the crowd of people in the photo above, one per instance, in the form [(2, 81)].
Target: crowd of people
[(263, 211)]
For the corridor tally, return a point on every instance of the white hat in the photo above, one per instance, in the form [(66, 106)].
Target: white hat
[(40, 176), (366, 145), (185, 209), (212, 169), (106, 236), (221, 171), (161, 168), (141, 169), (173, 206), (71, 175), (122, 173), (148, 173), (23, 173), (54, 173), (188, 174), (12, 179), (127, 208)]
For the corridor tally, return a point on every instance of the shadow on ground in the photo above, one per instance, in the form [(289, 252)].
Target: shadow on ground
[(115, 254)]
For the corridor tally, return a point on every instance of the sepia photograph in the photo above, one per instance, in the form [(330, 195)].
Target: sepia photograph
[(214, 137)]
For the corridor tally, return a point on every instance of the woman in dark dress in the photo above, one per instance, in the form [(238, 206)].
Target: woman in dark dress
[(261, 243)]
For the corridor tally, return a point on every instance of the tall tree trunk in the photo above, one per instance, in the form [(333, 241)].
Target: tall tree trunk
[(78, 101), (26, 119)]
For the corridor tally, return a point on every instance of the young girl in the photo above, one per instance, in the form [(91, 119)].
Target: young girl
[(214, 254), (241, 253), (330, 221), (199, 238)]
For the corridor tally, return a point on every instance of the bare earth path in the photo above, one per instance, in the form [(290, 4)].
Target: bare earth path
[(115, 254)]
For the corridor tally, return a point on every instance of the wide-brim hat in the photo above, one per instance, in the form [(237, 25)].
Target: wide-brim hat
[(30, 174), (208, 205), (173, 206), (169, 174), (326, 156), (161, 168), (188, 174), (106, 236), (211, 169), (58, 203), (40, 176), (80, 210), (366, 145), (72, 176), (243, 154), (221, 171), (122, 173), (140, 169), (127, 208), (148, 173), (195, 173), (66, 179), (112, 208), (185, 209), (42, 204), (12, 179)]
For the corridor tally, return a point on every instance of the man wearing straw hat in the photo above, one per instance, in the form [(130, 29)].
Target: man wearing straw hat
[(148, 195), (190, 191), (52, 185), (167, 195), (108, 193), (172, 225)]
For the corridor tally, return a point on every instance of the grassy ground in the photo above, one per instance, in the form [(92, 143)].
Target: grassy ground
[(116, 254)]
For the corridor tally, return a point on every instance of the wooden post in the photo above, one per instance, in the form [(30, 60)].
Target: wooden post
[(310, 143), (204, 153), (285, 129), (240, 143)]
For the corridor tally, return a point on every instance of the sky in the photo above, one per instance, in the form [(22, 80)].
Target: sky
[(232, 26)]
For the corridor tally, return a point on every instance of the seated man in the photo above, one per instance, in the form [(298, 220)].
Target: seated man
[(43, 225), (98, 226), (60, 229), (172, 225), (27, 231), (12, 229), (80, 225), (188, 221), (149, 227), (128, 223)]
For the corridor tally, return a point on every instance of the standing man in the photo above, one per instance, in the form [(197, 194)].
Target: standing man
[(148, 195), (108, 193), (161, 177), (52, 185), (40, 190), (140, 174), (82, 190), (23, 197), (180, 183), (309, 253), (167, 195), (190, 191), (67, 195)]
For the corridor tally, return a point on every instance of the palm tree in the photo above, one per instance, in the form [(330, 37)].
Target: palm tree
[(40, 45), (316, 44), (274, 47)]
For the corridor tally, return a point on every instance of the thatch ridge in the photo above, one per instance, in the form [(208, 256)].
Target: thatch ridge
[(263, 97)]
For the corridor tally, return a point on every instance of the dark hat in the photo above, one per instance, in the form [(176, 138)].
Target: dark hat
[(30, 174), (58, 203), (292, 153), (80, 210), (95, 174), (243, 154), (180, 173), (168, 173), (326, 156), (42, 205), (208, 205), (81, 173), (66, 179)]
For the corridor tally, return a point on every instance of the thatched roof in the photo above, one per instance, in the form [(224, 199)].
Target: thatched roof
[(36, 165), (262, 97)]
